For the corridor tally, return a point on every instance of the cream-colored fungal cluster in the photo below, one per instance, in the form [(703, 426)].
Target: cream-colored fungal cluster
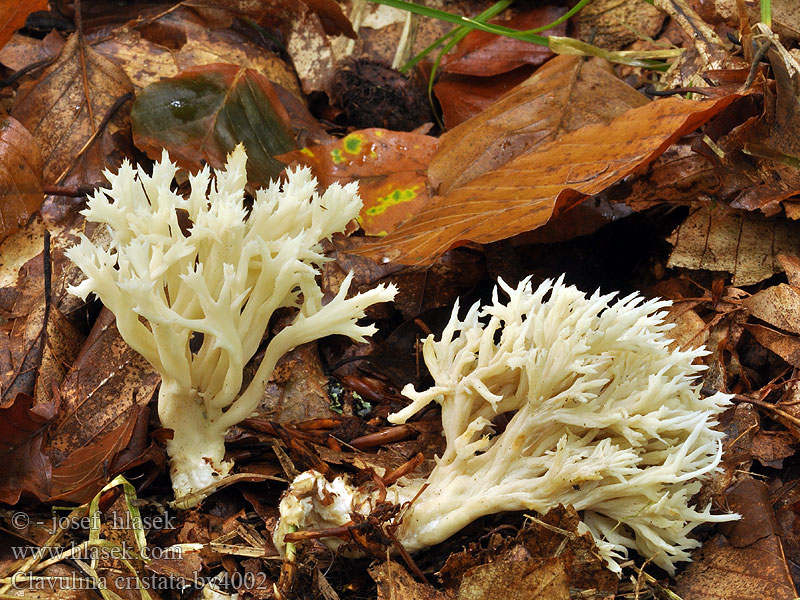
[(601, 414), (206, 270)]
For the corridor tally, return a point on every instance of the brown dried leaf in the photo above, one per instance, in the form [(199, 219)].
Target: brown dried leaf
[(744, 244), (749, 563), (297, 390), (22, 50), (562, 96), (778, 305), (64, 108), (614, 24), (553, 535), (22, 344), (678, 176), (758, 163), (791, 265), (20, 176), (64, 341), (180, 40), (786, 19), (784, 345), (26, 468), (395, 583), (86, 470), (521, 579), (102, 401), (524, 193), (771, 447)]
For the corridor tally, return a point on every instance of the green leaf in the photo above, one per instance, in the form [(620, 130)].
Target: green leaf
[(202, 113)]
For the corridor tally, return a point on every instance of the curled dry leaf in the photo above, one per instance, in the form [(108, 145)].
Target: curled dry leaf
[(64, 108), (524, 193), (201, 114), (20, 176)]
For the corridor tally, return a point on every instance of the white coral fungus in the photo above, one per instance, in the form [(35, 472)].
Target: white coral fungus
[(195, 296), (603, 415)]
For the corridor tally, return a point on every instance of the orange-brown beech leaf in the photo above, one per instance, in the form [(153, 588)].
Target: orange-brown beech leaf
[(465, 96), (102, 400), (747, 563), (389, 165), (742, 243), (200, 116), (486, 54), (523, 194), (562, 96), (13, 14), (26, 467), (20, 176), (65, 108)]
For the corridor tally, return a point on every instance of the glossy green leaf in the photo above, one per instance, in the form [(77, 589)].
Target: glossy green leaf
[(201, 114)]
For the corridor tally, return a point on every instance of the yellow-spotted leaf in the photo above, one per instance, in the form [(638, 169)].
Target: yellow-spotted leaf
[(390, 167)]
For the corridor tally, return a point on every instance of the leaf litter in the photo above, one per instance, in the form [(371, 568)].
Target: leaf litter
[(549, 163)]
